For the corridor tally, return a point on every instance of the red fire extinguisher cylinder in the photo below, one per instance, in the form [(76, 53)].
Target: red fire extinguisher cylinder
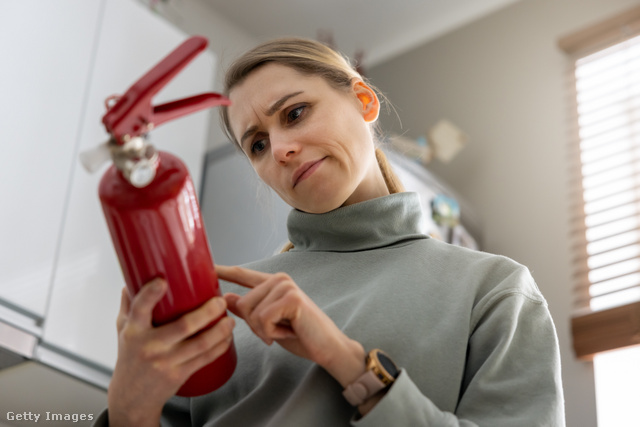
[(158, 231)]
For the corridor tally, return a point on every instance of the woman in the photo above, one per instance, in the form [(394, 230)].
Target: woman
[(469, 332)]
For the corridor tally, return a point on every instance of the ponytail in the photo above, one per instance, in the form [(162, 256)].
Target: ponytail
[(390, 178), (287, 247)]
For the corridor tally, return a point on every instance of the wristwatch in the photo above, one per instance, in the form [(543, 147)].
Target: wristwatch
[(381, 373)]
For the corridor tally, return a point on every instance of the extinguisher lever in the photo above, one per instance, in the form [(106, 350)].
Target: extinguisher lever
[(182, 107), (133, 115)]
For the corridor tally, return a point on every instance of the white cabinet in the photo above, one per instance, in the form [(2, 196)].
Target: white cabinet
[(78, 292), (46, 50)]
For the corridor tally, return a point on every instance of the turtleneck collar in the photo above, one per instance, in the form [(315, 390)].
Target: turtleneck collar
[(367, 225)]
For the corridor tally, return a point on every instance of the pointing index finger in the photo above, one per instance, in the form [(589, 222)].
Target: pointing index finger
[(241, 276)]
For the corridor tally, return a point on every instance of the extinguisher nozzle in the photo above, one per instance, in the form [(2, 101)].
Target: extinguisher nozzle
[(94, 158)]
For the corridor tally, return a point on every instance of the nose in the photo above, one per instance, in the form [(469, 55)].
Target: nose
[(283, 148)]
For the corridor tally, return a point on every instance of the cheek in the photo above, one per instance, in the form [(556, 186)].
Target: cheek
[(346, 131), (352, 124), (262, 172), (269, 175), (355, 140)]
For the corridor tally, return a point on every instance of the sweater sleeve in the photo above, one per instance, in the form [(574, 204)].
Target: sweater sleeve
[(512, 374)]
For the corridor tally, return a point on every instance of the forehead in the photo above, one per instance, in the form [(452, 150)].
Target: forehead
[(272, 70), (262, 88), (267, 81)]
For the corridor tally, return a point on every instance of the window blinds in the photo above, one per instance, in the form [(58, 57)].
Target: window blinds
[(605, 88)]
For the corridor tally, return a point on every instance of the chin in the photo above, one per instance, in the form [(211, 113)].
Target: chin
[(323, 199), (315, 209), (320, 205)]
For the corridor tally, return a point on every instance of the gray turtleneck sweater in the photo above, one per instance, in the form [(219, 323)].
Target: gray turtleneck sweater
[(470, 331)]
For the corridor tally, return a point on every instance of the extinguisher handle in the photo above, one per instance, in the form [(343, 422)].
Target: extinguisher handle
[(182, 107), (132, 114)]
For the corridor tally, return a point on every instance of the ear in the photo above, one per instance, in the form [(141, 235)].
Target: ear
[(368, 100)]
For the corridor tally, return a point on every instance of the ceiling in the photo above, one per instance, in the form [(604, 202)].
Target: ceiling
[(382, 29)]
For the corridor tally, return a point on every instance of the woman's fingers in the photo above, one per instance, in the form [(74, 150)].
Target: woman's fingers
[(232, 302), (278, 313), (136, 316), (140, 313), (265, 309), (241, 276), (276, 309), (261, 293), (125, 306), (193, 321), (209, 344)]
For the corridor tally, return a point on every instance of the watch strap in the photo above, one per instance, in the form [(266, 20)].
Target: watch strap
[(363, 388)]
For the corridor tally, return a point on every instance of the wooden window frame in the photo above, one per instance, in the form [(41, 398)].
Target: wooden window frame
[(618, 327)]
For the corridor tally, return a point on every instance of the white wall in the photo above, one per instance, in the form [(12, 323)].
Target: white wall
[(502, 80), (226, 40)]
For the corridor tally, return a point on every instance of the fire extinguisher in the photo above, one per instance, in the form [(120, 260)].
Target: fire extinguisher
[(150, 205)]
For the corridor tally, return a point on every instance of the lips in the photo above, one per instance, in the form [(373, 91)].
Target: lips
[(305, 170)]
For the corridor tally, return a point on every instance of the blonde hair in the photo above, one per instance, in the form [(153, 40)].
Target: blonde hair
[(311, 58)]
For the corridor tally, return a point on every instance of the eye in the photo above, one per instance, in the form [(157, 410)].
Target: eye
[(258, 146), (295, 113)]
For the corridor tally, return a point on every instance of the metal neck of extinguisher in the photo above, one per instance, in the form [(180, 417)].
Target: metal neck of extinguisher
[(137, 159)]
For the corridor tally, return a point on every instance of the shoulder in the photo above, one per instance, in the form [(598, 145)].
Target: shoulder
[(493, 286), (488, 273)]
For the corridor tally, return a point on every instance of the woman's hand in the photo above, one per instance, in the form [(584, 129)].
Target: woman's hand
[(276, 309), (153, 362)]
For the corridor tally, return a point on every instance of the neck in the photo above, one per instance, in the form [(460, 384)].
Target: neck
[(372, 187), (371, 224)]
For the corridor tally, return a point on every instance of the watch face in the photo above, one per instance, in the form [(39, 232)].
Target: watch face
[(388, 365)]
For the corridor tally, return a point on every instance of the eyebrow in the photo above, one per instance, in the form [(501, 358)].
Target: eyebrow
[(269, 112)]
